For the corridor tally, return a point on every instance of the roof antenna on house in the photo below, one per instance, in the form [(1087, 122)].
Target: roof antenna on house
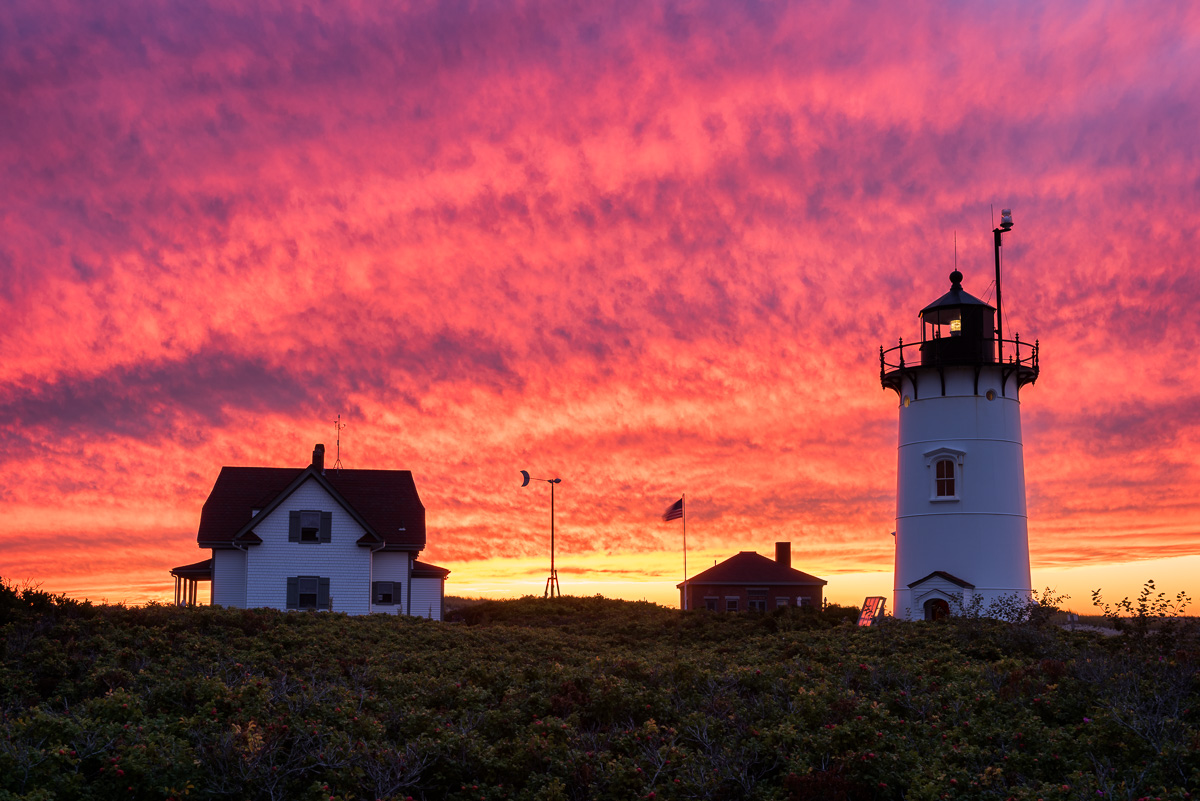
[(338, 426)]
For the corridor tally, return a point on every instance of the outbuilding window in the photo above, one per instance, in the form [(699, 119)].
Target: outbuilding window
[(731, 604), (757, 600)]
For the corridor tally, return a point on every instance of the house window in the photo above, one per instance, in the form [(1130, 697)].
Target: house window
[(782, 600), (731, 604), (804, 600), (310, 525), (308, 592), (710, 603), (383, 593), (758, 600), (945, 479)]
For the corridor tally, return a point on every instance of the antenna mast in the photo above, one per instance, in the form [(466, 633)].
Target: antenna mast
[(338, 425)]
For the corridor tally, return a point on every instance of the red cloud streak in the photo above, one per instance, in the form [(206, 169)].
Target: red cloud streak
[(649, 248)]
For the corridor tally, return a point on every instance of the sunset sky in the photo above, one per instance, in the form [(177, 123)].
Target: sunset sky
[(651, 248)]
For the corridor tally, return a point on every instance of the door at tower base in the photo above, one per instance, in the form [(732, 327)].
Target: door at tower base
[(936, 596)]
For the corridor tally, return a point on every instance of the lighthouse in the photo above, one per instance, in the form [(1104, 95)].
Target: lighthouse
[(961, 527)]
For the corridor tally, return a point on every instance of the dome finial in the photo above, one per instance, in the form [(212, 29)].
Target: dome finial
[(956, 280)]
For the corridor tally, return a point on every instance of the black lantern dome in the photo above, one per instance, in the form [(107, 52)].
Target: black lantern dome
[(958, 328)]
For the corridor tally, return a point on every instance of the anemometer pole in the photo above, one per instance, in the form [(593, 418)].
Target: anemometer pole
[(552, 589), (1006, 224)]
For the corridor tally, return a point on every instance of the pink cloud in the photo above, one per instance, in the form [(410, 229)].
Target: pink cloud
[(654, 251)]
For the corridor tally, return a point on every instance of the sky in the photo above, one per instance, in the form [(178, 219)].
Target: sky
[(651, 248)]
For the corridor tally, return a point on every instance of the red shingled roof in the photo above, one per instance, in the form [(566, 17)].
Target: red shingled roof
[(385, 500), (749, 567)]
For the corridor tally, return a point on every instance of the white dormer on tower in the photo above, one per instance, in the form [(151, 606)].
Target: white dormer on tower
[(961, 527)]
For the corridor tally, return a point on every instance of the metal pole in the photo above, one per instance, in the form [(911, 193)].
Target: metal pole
[(686, 599), (553, 575), (999, 305)]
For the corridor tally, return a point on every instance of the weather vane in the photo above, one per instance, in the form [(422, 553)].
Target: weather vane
[(338, 425), (552, 590)]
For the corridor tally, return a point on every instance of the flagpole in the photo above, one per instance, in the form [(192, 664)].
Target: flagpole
[(683, 502)]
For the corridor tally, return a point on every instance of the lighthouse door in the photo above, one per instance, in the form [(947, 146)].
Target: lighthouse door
[(936, 609)]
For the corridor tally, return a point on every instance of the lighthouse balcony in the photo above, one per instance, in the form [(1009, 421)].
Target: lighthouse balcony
[(1016, 358)]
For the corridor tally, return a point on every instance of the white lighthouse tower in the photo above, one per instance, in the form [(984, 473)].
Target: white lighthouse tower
[(961, 526)]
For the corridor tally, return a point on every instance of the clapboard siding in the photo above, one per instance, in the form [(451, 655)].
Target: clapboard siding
[(392, 566), (229, 578), (426, 598), (346, 564)]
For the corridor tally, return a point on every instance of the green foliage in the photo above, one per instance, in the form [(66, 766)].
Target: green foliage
[(1152, 620), (580, 698), (17, 600)]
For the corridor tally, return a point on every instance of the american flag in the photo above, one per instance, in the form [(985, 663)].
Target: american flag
[(674, 511)]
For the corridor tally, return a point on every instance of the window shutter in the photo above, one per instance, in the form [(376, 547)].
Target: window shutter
[(293, 591), (376, 595), (326, 526), (322, 593), (293, 527)]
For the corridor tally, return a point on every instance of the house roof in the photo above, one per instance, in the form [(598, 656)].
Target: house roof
[(384, 502), (426, 570), (197, 571), (944, 575), (749, 567)]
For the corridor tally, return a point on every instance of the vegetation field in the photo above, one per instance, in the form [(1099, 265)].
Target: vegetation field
[(584, 699)]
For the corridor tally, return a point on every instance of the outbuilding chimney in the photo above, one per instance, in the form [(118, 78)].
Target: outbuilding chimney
[(319, 457), (783, 553)]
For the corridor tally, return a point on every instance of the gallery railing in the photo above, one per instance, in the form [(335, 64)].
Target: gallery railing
[(1018, 358)]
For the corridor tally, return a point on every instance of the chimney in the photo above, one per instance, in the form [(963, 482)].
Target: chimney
[(319, 457), (783, 553)]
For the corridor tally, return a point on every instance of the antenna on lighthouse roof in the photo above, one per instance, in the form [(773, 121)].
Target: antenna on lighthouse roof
[(338, 426)]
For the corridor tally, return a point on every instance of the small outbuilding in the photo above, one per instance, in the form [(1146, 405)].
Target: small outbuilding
[(749, 581)]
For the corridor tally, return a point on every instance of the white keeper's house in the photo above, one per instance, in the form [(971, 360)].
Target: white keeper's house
[(315, 539)]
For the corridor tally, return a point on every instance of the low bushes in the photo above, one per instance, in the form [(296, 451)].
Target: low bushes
[(582, 698)]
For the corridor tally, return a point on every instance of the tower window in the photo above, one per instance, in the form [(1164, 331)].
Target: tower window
[(945, 467), (945, 479)]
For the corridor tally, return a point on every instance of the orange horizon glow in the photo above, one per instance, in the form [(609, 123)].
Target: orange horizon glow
[(651, 252)]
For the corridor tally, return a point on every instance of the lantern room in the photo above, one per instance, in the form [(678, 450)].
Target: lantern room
[(958, 328)]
